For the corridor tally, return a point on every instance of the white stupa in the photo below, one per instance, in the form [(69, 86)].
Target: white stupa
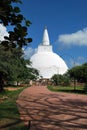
[(46, 61)]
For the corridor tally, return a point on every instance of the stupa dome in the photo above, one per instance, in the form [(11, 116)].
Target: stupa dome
[(46, 61)]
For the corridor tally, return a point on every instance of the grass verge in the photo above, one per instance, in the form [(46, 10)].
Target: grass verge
[(9, 115), (68, 89)]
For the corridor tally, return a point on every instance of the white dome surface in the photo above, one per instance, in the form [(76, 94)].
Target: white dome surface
[(46, 61), (48, 64)]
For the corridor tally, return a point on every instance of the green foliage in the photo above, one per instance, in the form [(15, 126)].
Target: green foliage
[(32, 73), (11, 16), (79, 72), (60, 80), (12, 64)]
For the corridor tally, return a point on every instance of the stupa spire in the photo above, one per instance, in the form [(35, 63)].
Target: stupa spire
[(45, 40)]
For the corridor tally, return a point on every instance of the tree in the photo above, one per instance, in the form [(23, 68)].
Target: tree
[(60, 79), (12, 64), (79, 73), (11, 16), (13, 67)]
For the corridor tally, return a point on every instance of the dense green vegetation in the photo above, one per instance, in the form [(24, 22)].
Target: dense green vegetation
[(63, 80), (77, 74), (9, 115), (12, 63)]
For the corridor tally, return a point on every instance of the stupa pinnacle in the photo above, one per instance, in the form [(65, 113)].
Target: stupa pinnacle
[(46, 61), (45, 40)]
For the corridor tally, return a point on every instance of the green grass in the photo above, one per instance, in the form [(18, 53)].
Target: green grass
[(69, 89), (9, 115)]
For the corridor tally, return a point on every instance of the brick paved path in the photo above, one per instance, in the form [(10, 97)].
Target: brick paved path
[(52, 110)]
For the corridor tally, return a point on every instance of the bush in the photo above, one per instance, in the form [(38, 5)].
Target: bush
[(62, 80)]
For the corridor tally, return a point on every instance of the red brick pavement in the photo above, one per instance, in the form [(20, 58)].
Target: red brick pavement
[(52, 110)]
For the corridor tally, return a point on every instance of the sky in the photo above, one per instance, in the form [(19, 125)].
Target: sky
[(66, 22)]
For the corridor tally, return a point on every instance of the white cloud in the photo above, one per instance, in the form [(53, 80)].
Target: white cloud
[(77, 38), (3, 32), (29, 52)]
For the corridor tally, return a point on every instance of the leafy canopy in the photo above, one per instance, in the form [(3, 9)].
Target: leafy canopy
[(11, 16), (12, 64), (79, 72)]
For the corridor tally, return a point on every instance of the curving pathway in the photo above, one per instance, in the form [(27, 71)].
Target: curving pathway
[(52, 110)]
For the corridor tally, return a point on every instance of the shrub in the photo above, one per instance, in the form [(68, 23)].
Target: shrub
[(63, 80)]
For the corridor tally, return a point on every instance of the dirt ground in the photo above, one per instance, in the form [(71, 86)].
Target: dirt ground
[(12, 88), (52, 110)]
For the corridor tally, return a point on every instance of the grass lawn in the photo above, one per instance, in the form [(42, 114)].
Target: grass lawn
[(9, 115), (70, 89)]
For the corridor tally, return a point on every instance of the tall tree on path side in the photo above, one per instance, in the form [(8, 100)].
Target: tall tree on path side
[(10, 15)]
